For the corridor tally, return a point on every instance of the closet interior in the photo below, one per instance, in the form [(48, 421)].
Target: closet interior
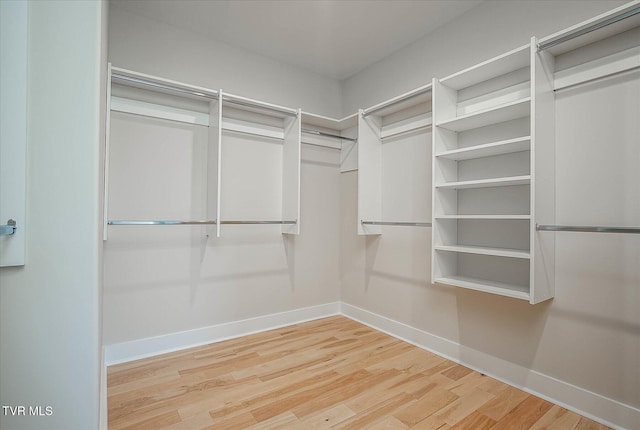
[(469, 160)]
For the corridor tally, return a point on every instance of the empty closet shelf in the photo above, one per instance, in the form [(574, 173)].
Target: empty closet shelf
[(488, 149), (509, 290), (485, 217), (482, 250), (487, 183), (505, 112), (398, 223)]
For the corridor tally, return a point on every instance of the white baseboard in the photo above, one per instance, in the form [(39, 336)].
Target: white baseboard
[(148, 347), (591, 405), (103, 393)]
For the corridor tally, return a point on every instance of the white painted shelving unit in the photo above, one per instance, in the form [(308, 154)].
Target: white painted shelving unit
[(400, 115), (224, 114), (493, 176)]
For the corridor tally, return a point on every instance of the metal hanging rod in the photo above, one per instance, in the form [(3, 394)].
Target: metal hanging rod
[(593, 27), (116, 75), (398, 223), (258, 222), (257, 105), (397, 100), (163, 222), (322, 133), (8, 229), (204, 222), (588, 229)]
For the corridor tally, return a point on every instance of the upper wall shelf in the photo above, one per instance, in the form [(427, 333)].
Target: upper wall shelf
[(487, 70), (494, 115), (418, 96), (603, 26), (488, 149)]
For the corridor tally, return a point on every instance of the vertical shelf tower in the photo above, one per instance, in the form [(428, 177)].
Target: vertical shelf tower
[(493, 176)]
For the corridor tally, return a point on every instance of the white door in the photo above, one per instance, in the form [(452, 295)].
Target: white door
[(13, 130)]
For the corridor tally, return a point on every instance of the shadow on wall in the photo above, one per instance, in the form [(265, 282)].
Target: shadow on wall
[(289, 247), (372, 245), (503, 327)]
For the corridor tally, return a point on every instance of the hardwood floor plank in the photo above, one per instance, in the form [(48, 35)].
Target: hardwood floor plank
[(474, 421), (329, 373), (524, 415), (327, 418), (154, 423), (464, 406), (431, 402), (388, 423), (376, 412), (431, 423), (557, 418), (503, 403)]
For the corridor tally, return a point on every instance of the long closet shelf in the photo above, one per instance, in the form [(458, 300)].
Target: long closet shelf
[(487, 183), (502, 147), (482, 250), (486, 217), (505, 112), (509, 290), (494, 67)]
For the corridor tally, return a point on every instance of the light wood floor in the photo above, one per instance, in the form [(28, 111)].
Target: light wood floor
[(329, 373)]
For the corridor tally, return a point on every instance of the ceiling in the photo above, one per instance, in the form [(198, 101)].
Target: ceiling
[(333, 38)]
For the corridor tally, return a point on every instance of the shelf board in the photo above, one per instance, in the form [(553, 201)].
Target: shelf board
[(482, 250), (329, 123), (488, 217), (487, 183), (509, 290), (488, 149), (505, 112), (494, 67)]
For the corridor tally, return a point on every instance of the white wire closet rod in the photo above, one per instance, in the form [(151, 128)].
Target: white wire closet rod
[(397, 223), (116, 75), (396, 100), (323, 134), (588, 229), (623, 14), (202, 222)]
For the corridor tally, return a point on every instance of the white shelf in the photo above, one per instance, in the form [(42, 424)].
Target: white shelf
[(483, 250), (486, 217), (505, 112), (329, 123), (487, 183), (488, 149), (509, 290), (494, 67)]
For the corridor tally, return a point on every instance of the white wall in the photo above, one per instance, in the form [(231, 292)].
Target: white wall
[(490, 29), (587, 336), (49, 308), (163, 280), (158, 49)]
